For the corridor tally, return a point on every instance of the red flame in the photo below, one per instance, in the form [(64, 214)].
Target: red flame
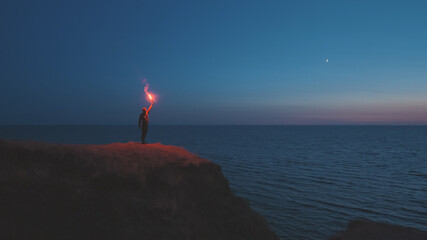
[(151, 96)]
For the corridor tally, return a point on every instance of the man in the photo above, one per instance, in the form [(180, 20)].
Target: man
[(143, 118)]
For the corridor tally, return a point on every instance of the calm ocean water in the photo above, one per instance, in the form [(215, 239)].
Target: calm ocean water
[(308, 181)]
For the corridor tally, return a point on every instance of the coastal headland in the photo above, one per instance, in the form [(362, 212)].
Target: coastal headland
[(118, 191), (132, 191)]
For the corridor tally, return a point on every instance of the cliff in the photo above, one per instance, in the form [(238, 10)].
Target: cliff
[(118, 191)]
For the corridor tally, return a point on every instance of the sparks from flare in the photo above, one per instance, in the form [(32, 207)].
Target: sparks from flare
[(151, 97)]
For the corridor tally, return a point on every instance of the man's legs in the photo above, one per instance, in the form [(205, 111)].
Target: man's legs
[(144, 133)]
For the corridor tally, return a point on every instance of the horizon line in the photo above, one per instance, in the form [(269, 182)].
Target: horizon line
[(223, 125)]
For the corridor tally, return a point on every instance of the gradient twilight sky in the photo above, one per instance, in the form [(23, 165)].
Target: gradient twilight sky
[(214, 62)]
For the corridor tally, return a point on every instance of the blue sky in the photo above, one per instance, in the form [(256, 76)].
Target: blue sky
[(214, 62)]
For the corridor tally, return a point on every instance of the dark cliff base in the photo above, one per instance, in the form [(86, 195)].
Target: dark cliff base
[(368, 230), (118, 191)]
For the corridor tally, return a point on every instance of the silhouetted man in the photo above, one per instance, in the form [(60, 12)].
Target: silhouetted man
[(143, 118)]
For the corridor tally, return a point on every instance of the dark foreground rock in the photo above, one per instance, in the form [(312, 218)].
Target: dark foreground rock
[(368, 230), (118, 191)]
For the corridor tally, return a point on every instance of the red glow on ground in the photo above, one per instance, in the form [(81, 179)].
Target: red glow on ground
[(131, 157)]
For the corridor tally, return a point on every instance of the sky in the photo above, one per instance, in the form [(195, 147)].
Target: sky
[(214, 62)]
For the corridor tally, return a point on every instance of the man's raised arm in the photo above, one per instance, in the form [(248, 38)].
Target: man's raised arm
[(149, 109)]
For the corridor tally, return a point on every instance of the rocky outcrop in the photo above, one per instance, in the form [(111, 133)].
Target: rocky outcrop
[(368, 230), (118, 191)]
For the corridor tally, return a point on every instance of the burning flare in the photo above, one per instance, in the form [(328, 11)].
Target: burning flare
[(151, 97)]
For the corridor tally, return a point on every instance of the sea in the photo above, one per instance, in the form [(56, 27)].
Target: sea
[(308, 182)]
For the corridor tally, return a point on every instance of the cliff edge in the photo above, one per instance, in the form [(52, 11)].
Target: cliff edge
[(118, 191)]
